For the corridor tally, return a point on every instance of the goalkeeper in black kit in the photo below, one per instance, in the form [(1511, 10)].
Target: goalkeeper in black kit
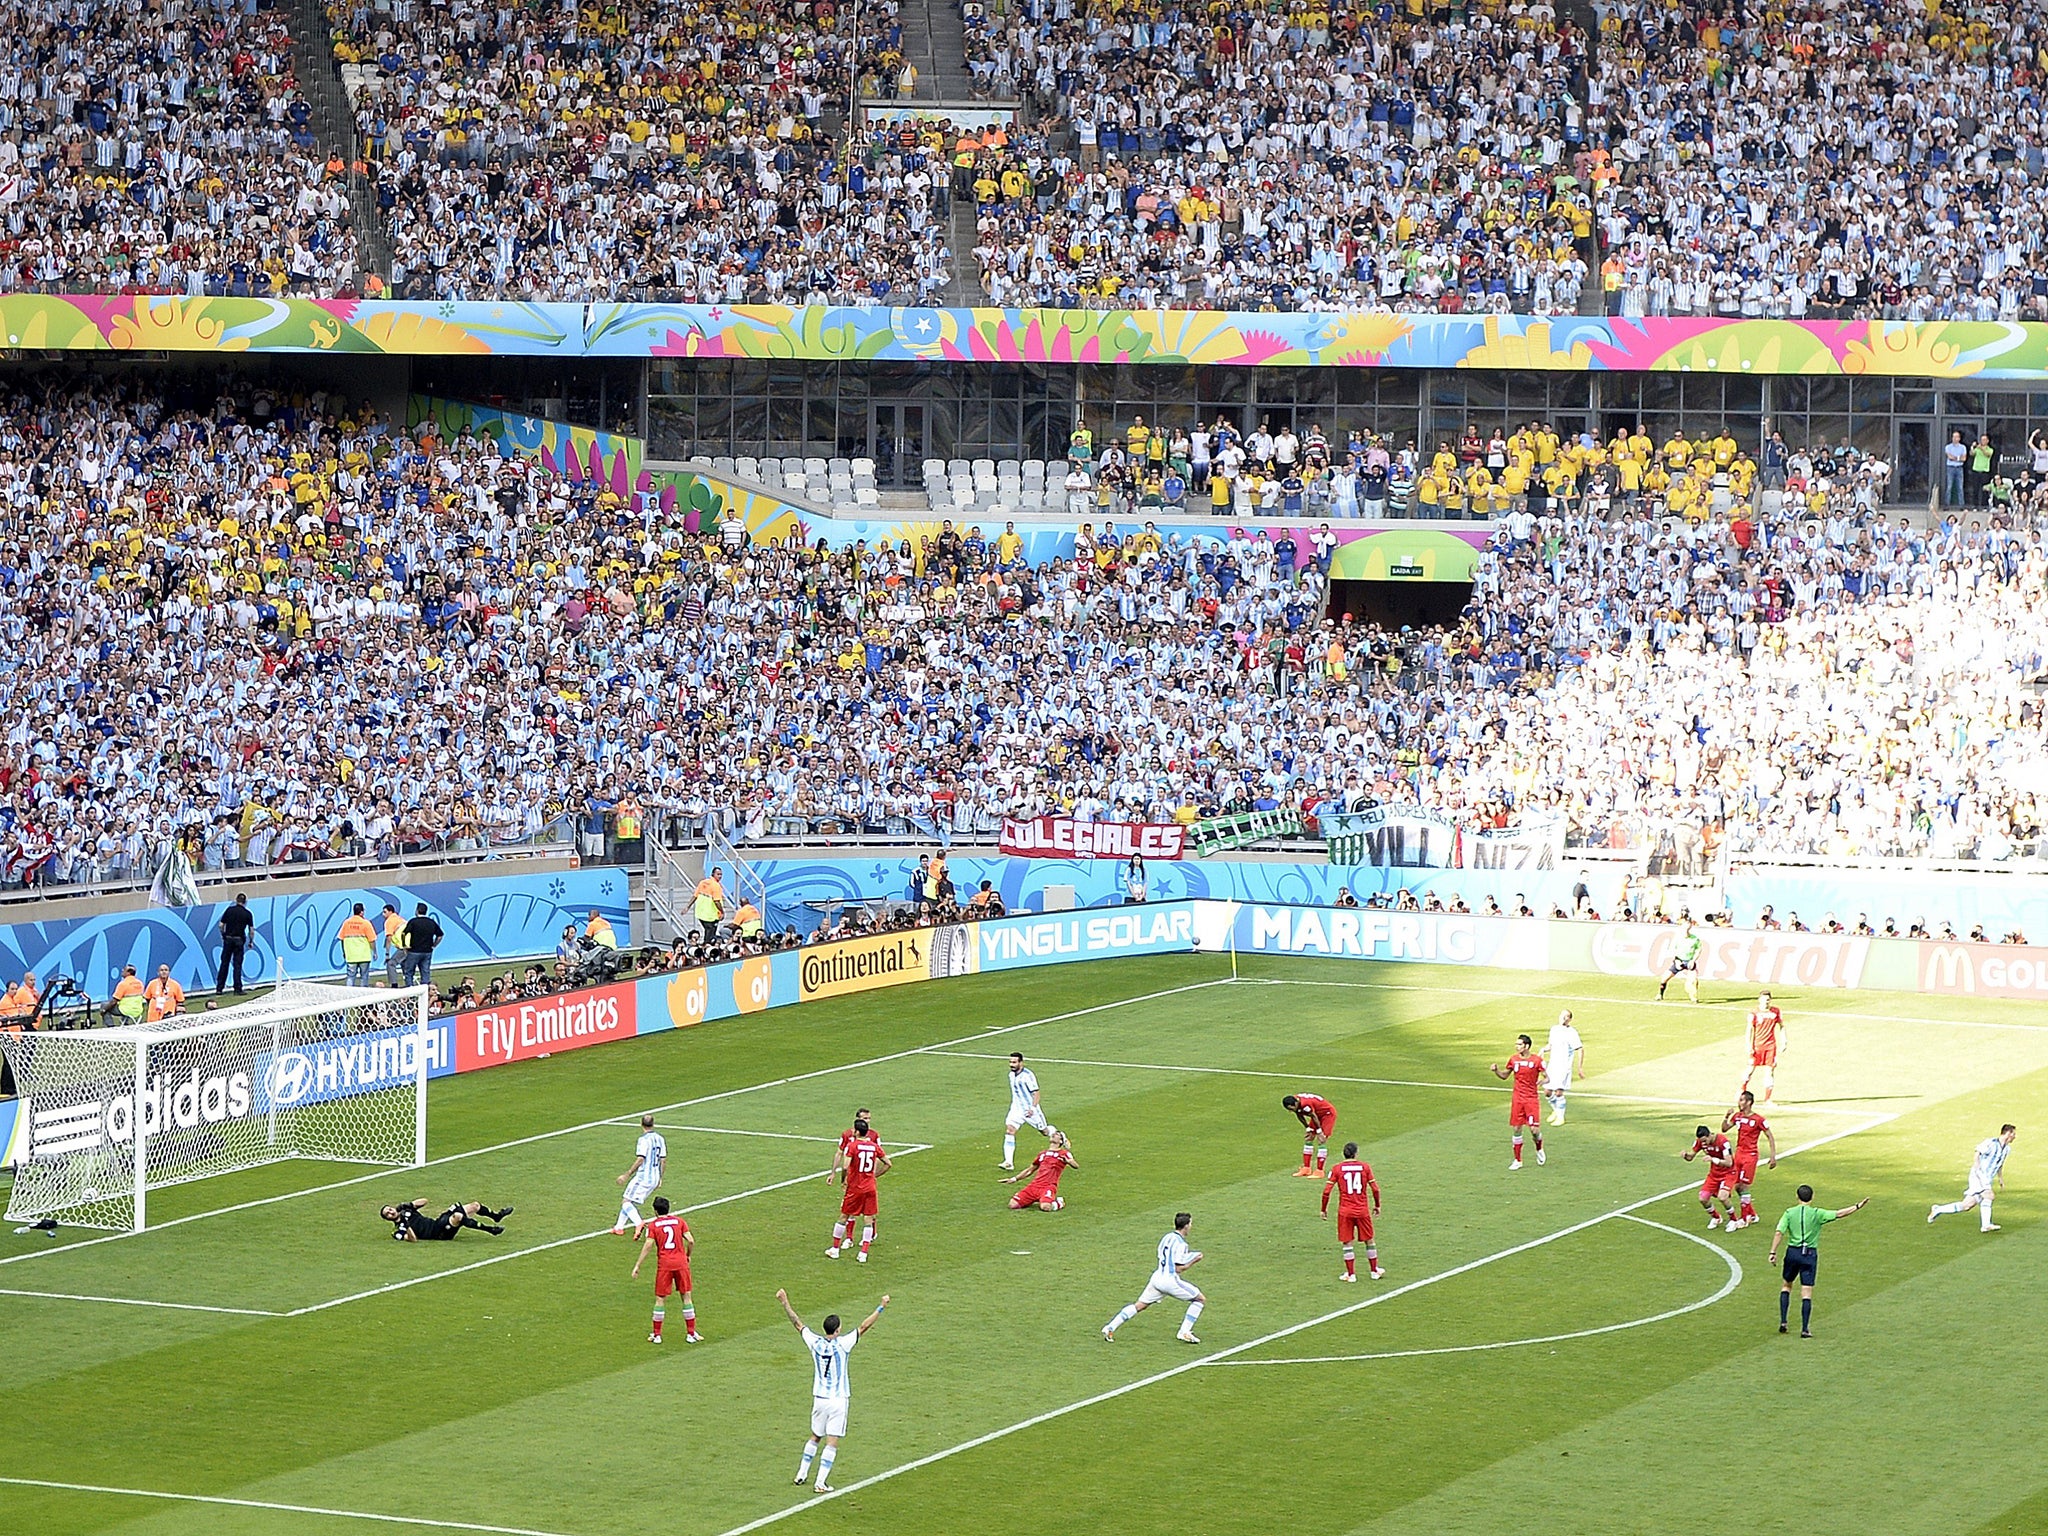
[(410, 1222)]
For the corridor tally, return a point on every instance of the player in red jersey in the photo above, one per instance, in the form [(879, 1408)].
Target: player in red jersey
[(1526, 1068), (864, 1161), (1749, 1127), (1720, 1174), (669, 1238), (1044, 1173), (1766, 1034), (847, 1138), (1319, 1116), (1358, 1201)]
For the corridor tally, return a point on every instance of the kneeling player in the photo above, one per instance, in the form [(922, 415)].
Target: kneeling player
[(1358, 1201), (1044, 1173), (410, 1222), (1319, 1118), (669, 1236), (1720, 1180)]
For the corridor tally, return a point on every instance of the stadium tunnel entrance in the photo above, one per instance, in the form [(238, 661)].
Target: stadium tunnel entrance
[(1395, 603), (1418, 576)]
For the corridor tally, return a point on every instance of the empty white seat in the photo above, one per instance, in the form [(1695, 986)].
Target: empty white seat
[(866, 496), (814, 469), (866, 466), (840, 466), (1033, 472), (795, 467), (956, 467), (721, 464), (771, 473), (750, 468), (962, 498), (934, 466)]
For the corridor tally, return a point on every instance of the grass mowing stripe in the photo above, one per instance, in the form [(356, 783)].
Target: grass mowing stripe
[(560, 1242), (1306, 1078), (612, 1120), (1727, 1289), (1248, 1345), (290, 1509), (136, 1301)]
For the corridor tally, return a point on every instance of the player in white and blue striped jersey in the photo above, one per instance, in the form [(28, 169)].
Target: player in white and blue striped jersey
[(650, 1160), (1176, 1258), (831, 1387), (1987, 1174)]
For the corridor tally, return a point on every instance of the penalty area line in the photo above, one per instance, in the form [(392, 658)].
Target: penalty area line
[(1728, 1287), (1217, 1356), (137, 1301), (613, 1120), (268, 1504)]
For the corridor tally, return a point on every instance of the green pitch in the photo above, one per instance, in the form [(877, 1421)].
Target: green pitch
[(1564, 1348)]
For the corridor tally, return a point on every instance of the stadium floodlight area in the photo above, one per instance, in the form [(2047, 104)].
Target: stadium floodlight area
[(330, 1072)]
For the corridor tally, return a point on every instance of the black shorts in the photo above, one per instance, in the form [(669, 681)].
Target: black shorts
[(1678, 965), (1800, 1264)]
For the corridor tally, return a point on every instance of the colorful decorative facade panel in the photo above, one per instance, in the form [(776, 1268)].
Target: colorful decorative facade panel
[(1942, 349)]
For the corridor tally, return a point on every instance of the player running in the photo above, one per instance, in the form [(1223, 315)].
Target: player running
[(1176, 1258), (1720, 1174), (1685, 961), (1358, 1201), (1987, 1172), (1563, 1059), (1044, 1173), (831, 1389), (1024, 1109), (650, 1157), (669, 1236), (410, 1222), (1766, 1034), (1749, 1127), (1526, 1068), (1319, 1116), (864, 1162)]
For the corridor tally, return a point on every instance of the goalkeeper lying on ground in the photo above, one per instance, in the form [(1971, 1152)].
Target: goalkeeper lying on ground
[(410, 1222)]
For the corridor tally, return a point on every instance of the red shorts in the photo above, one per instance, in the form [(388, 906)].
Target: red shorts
[(1032, 1193), (672, 1277), (1524, 1112), (1354, 1226), (1745, 1169), (1767, 1057), (859, 1202), (1326, 1123), (1719, 1181)]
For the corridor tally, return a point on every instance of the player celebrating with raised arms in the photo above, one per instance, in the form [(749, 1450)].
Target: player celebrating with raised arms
[(1987, 1171), (650, 1157), (1749, 1128), (1766, 1034), (1176, 1258), (1319, 1116), (1720, 1175), (1563, 1059), (669, 1237), (1044, 1173), (864, 1162), (831, 1389), (1358, 1201), (1526, 1068), (1024, 1109)]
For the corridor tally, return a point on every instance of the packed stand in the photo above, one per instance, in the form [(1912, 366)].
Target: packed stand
[(1812, 160), (664, 149), (163, 149), (1287, 159)]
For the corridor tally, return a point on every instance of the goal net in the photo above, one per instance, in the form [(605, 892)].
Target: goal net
[(330, 1072)]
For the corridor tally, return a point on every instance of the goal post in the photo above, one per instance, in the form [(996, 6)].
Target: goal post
[(309, 1071)]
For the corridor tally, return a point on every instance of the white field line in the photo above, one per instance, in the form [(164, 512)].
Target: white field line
[(1727, 1288), (613, 1120), (135, 1301), (288, 1509), (720, 1130), (560, 1242), (1308, 1078), (1217, 1356), (1815, 1011)]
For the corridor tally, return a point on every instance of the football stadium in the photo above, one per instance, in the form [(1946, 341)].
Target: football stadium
[(1262, 766)]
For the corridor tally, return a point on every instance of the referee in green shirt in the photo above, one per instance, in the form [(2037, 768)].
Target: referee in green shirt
[(1799, 1230)]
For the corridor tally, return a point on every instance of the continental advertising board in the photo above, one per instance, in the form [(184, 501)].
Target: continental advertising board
[(884, 960)]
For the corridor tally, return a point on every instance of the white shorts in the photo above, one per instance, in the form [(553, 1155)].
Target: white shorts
[(1978, 1191), (828, 1415), (1035, 1119), (641, 1190), (1159, 1287), (1561, 1083)]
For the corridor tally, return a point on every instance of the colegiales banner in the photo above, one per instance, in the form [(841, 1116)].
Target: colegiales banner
[(1061, 837)]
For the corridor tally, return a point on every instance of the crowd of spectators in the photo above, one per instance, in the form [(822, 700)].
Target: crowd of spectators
[(163, 147), (1288, 158), (279, 628), (1817, 159), (665, 148)]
